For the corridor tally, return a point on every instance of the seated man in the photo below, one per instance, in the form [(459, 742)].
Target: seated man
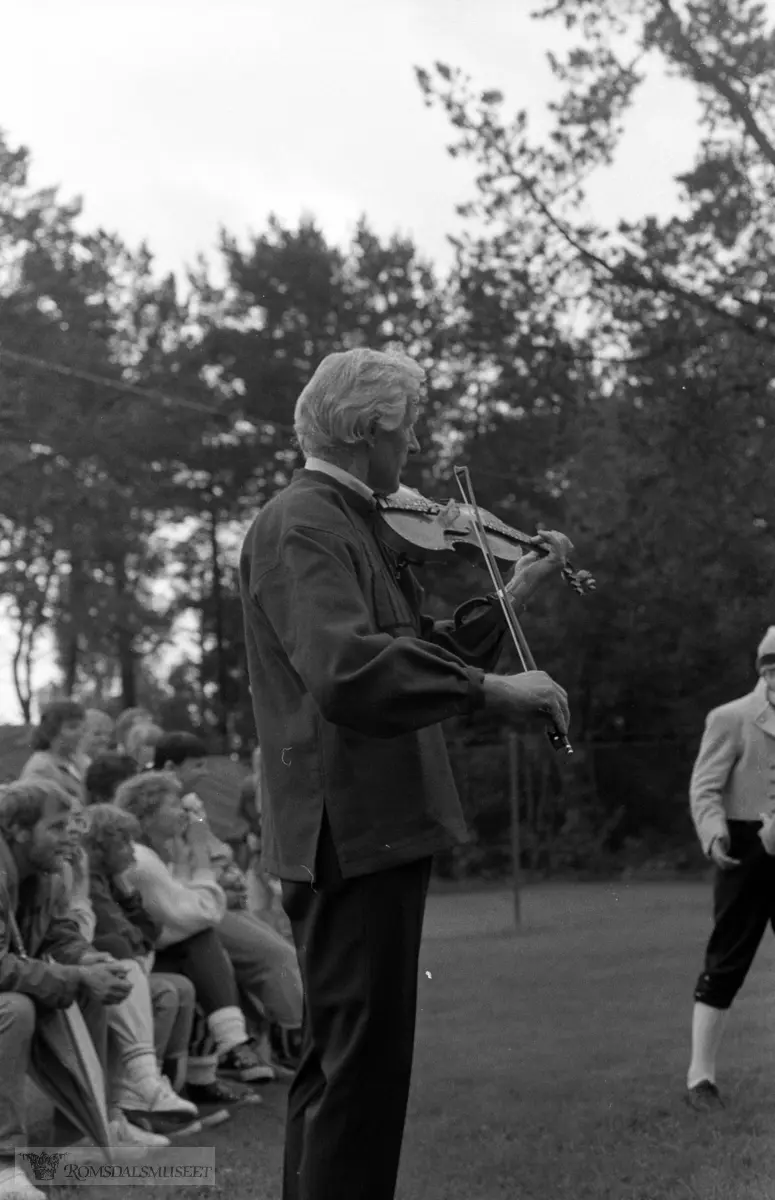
[(36, 831)]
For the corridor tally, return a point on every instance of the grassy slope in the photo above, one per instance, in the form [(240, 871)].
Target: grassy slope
[(550, 1066)]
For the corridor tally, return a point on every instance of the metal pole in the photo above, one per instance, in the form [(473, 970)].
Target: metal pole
[(513, 744)]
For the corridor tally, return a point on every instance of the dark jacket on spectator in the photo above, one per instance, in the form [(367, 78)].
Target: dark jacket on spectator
[(40, 908), (124, 929), (350, 682)]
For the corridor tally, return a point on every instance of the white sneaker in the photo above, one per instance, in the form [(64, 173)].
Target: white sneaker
[(123, 1133), (155, 1096), (15, 1185)]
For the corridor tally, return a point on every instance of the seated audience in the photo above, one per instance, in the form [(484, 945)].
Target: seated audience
[(264, 962), (36, 830), (199, 1068), (160, 1007), (188, 911)]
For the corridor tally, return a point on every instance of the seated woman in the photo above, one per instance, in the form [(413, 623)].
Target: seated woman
[(162, 1006), (189, 912), (264, 962)]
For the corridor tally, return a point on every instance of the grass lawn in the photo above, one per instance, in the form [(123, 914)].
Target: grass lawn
[(550, 1065)]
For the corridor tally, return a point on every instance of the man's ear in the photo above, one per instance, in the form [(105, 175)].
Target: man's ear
[(370, 434)]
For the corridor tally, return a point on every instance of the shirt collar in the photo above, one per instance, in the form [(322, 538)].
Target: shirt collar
[(350, 481)]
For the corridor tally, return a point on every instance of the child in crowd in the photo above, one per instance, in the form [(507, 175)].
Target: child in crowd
[(163, 1005)]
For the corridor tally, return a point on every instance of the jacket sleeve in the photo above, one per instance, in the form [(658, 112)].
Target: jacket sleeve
[(181, 909), (140, 920), (114, 933), (50, 985), (474, 635), (363, 679), (718, 753)]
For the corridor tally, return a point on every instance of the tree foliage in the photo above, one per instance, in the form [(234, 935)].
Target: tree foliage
[(614, 382)]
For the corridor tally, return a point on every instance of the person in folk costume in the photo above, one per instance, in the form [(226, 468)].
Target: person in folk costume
[(732, 804), (350, 684)]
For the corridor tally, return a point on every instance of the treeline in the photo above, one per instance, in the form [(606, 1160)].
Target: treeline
[(613, 383)]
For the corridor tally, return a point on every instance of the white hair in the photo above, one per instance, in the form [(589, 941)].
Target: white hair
[(348, 392)]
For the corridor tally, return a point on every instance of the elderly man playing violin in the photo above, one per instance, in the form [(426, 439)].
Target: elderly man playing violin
[(350, 683)]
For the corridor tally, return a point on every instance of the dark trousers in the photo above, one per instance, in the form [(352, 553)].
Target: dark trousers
[(203, 960), (358, 943), (743, 905)]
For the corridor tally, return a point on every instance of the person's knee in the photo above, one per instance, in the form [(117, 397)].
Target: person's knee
[(17, 1018), (164, 994), (186, 993)]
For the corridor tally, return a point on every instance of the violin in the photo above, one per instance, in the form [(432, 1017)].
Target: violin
[(425, 530)]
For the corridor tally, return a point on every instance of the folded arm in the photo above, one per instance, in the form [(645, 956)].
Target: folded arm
[(181, 909), (52, 985)]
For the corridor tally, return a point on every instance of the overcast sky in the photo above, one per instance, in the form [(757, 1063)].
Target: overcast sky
[(172, 117)]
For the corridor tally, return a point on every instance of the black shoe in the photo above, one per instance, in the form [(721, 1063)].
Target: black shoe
[(210, 1099), (704, 1097), (246, 1064)]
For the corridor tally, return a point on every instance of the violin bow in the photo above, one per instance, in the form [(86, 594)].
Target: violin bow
[(556, 736)]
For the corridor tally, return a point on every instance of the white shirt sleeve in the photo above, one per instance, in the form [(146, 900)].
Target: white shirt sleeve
[(181, 908)]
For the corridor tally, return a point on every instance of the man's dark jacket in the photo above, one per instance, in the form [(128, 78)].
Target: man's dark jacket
[(39, 905), (350, 683)]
